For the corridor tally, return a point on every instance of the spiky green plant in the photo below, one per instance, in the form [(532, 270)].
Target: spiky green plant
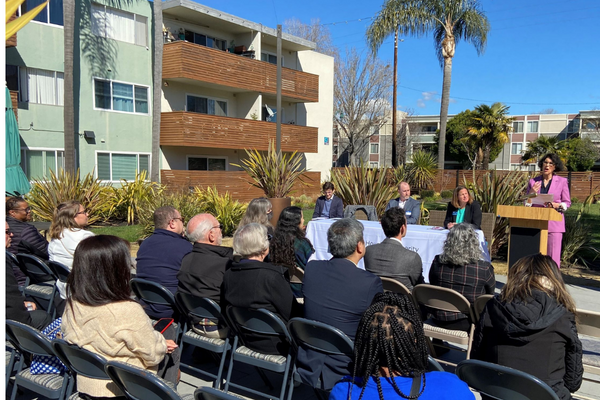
[(577, 240), (186, 202), (227, 211), (274, 172), (363, 185), (126, 202), (402, 173), (422, 169), (47, 193), (493, 190)]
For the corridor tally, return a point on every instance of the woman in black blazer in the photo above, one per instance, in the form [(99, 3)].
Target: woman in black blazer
[(463, 208)]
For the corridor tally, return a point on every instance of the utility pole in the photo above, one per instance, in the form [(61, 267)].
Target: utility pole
[(278, 114), (394, 101)]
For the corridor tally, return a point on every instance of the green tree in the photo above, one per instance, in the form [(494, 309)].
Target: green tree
[(541, 146), (489, 129), (582, 154), (449, 20)]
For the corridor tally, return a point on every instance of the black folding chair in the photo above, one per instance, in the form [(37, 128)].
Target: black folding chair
[(503, 383), (59, 270), (30, 341), (40, 282), (263, 323), (198, 308), (208, 393)]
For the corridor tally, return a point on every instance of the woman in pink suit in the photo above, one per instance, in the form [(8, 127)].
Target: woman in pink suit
[(549, 183)]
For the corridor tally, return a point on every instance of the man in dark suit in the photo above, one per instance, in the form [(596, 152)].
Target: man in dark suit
[(390, 258), (411, 207), (329, 206), (337, 293)]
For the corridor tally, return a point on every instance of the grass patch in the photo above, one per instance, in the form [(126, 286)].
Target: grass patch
[(131, 233), (308, 213)]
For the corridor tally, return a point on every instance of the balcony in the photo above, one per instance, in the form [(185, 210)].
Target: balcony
[(184, 60), (181, 128)]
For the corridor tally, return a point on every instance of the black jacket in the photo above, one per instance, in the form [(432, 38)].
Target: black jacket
[(26, 239), (538, 337), (472, 214), (255, 284), (202, 270)]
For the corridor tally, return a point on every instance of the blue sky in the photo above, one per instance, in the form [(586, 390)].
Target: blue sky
[(540, 54)]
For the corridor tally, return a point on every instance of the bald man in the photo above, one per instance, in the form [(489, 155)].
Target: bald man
[(411, 207)]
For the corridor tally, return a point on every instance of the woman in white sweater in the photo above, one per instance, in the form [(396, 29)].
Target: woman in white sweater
[(100, 315)]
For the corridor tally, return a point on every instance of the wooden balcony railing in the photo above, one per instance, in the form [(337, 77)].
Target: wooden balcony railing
[(181, 128), (192, 61)]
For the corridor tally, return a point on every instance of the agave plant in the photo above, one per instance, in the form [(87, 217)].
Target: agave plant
[(47, 193), (363, 185), (494, 190), (402, 173), (186, 202), (227, 211), (422, 169), (274, 172), (126, 202)]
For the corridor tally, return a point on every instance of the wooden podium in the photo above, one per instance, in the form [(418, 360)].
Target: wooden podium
[(528, 230)]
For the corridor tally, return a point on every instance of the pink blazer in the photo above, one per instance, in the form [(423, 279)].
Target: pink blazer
[(560, 189)]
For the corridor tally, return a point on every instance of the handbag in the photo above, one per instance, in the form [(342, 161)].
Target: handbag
[(49, 364)]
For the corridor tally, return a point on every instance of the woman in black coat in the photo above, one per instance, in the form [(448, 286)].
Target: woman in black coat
[(531, 326), (463, 208)]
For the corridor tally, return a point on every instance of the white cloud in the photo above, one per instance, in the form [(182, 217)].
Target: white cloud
[(420, 103), (428, 95)]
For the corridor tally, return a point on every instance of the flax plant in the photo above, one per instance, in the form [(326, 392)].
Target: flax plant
[(128, 200), (227, 211), (186, 202)]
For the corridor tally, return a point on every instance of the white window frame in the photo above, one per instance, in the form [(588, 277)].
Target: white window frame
[(272, 54), (511, 148), (208, 98), (188, 156), (135, 17), (370, 148), (522, 126), (138, 153), (111, 81), (47, 15), (24, 97), (532, 122), (373, 164), (24, 151)]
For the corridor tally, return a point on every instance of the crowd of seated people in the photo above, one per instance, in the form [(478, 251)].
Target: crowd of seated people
[(260, 272)]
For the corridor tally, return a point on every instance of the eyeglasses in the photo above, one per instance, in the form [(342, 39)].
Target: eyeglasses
[(549, 163), (27, 210), (179, 218), (220, 226)]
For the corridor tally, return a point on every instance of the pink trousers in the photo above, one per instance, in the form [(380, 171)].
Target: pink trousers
[(554, 246)]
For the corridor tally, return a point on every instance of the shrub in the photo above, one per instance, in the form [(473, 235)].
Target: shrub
[(446, 194), (577, 240), (422, 169), (574, 200), (427, 193), (303, 202), (187, 203), (402, 173), (429, 199), (126, 202), (363, 185), (46, 194), (227, 211)]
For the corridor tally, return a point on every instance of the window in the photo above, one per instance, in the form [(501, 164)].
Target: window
[(119, 25), (117, 166), (51, 14), (429, 128), (531, 167), (269, 114), (119, 96), (41, 86), (374, 148), (532, 126), (205, 163), (206, 105), (37, 164), (205, 40), (270, 58), (335, 149), (373, 164), (572, 127), (517, 127), (517, 148)]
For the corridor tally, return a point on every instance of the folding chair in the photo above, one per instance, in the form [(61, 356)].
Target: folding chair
[(12, 257), (437, 217), (444, 299), (80, 361), (395, 286), (203, 308), (60, 271), (480, 303), (265, 323), (503, 383), (155, 293), (433, 365), (208, 393), (589, 334), (40, 282), (30, 341), (12, 358), (140, 384)]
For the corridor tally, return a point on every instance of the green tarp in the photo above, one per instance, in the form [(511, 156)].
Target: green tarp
[(16, 181)]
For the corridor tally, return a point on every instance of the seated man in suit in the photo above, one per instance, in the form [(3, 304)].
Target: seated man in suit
[(337, 293), (390, 258), (411, 207), (329, 206)]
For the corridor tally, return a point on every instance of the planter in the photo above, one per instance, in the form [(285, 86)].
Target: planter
[(278, 205)]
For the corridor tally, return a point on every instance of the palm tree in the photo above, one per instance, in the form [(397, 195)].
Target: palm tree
[(541, 146), (490, 128), (449, 20), (69, 85), (156, 90)]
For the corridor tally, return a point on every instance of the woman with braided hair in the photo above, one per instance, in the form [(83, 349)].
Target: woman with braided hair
[(390, 354)]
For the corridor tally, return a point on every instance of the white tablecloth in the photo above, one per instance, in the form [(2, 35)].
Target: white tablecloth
[(428, 241)]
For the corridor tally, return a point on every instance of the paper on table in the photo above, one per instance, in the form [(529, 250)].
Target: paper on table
[(542, 199)]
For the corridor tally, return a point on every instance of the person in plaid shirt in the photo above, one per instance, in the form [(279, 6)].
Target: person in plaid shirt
[(461, 268)]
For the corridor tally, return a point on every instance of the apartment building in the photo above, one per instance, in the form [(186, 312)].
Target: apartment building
[(219, 92)]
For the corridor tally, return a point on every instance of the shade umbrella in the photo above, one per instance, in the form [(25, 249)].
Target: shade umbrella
[(16, 181)]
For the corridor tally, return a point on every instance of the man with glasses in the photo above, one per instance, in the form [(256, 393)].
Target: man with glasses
[(159, 256), (202, 270)]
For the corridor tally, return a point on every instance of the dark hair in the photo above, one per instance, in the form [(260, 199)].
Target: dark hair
[(328, 186), (101, 271), (164, 215), (12, 203), (287, 231), (392, 220), (558, 164), (390, 334)]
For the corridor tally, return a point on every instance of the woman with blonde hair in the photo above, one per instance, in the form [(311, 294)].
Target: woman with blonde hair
[(259, 211), (531, 326), (463, 208)]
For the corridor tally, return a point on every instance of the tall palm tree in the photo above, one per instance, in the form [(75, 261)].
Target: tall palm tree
[(541, 146), (490, 128), (69, 85), (449, 20), (156, 89)]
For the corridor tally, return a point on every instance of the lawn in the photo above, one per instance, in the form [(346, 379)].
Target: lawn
[(131, 233)]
